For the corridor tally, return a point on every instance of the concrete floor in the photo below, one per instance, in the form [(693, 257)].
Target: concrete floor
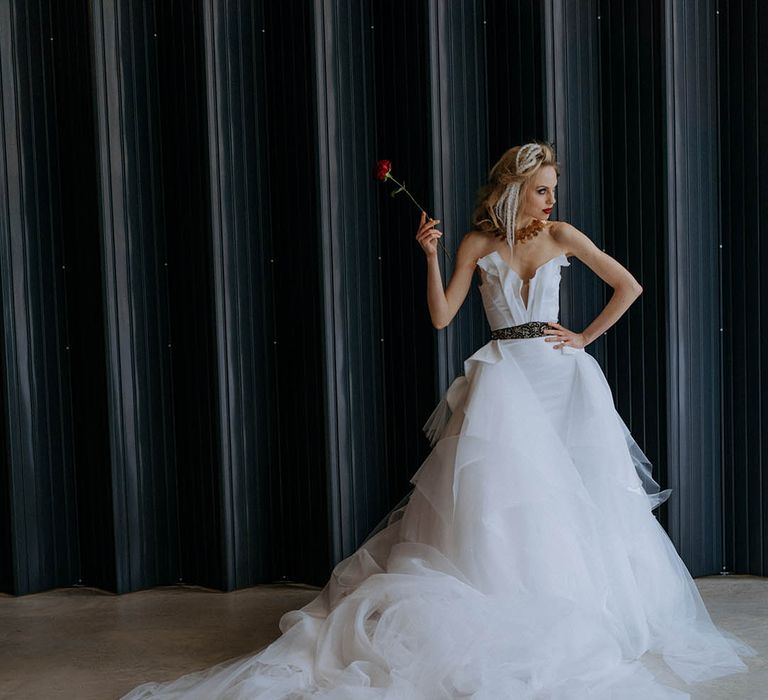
[(87, 644)]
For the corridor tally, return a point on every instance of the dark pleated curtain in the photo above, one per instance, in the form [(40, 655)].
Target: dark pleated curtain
[(743, 118), (216, 351)]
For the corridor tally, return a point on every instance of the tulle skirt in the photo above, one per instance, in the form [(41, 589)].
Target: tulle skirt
[(526, 563)]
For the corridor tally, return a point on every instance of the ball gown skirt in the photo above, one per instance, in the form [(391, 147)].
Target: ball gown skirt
[(526, 563)]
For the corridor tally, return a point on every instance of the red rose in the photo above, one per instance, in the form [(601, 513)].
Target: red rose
[(382, 169), (382, 172)]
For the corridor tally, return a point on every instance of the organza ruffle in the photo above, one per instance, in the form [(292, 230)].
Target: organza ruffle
[(525, 563)]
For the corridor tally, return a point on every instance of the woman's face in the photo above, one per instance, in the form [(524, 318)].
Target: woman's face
[(540, 195)]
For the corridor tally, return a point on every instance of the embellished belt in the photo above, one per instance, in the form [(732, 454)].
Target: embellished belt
[(531, 329)]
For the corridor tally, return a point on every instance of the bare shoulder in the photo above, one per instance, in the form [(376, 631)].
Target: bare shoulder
[(476, 244), (581, 246), (568, 237)]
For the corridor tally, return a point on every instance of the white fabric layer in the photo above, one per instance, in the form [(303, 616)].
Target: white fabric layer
[(525, 564)]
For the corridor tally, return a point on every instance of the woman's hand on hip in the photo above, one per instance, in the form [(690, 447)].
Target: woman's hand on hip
[(563, 336)]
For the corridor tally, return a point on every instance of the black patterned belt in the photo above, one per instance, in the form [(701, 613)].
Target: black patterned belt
[(531, 329)]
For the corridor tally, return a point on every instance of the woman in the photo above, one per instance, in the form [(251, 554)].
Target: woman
[(526, 562)]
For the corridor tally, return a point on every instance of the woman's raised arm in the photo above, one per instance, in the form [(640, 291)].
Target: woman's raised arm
[(445, 303)]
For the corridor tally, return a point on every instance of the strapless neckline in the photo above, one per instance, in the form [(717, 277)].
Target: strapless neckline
[(516, 288), (514, 272)]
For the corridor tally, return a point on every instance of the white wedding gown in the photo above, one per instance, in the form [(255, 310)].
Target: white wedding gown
[(526, 562)]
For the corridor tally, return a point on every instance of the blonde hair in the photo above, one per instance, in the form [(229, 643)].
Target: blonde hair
[(497, 201)]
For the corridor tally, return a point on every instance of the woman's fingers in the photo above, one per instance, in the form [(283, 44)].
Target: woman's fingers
[(427, 235), (426, 229), (424, 233), (429, 222)]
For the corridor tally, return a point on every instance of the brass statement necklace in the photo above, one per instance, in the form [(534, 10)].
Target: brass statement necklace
[(529, 231)]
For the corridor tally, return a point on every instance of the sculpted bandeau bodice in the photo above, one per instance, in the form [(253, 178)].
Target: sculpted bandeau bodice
[(501, 291)]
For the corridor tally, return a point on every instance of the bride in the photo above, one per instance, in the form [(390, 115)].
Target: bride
[(526, 562)]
